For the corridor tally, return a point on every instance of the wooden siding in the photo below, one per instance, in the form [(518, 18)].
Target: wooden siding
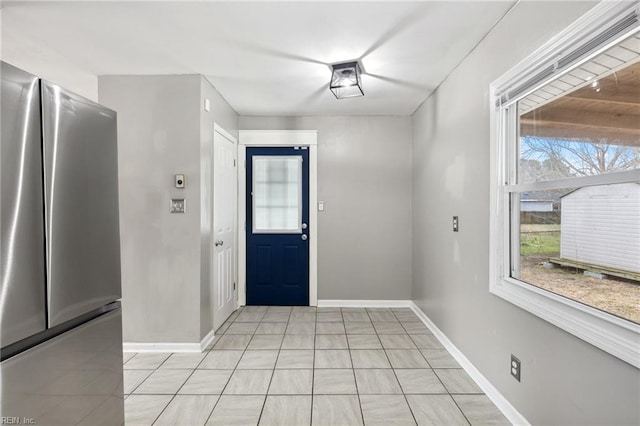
[(598, 100), (600, 225)]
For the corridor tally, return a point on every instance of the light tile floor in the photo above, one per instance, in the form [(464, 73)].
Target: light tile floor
[(306, 366)]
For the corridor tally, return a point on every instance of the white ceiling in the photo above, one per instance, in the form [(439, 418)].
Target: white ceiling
[(265, 58)]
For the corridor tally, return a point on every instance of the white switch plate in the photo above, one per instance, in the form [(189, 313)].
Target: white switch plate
[(178, 205), (321, 206), (207, 105)]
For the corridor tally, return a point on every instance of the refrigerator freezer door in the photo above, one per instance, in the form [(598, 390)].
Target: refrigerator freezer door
[(81, 204), (73, 379), (22, 290)]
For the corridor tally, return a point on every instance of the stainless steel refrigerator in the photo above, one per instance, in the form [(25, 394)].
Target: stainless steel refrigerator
[(60, 316)]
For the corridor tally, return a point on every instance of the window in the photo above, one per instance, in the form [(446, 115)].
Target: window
[(277, 194), (566, 224)]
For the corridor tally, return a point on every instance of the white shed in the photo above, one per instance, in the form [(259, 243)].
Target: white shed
[(600, 226), (539, 206)]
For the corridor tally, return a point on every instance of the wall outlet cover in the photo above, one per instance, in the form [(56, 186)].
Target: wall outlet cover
[(515, 367)]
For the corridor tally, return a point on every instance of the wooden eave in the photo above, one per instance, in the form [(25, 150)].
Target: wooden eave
[(608, 110)]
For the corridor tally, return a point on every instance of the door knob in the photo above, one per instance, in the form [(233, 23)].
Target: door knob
[(304, 237), (219, 243), (304, 226)]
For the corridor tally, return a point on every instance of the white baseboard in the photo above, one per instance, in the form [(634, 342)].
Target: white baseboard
[(206, 341), (160, 347), (329, 303), (492, 393), (169, 347)]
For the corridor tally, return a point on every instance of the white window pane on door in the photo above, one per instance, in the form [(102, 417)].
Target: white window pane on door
[(277, 194)]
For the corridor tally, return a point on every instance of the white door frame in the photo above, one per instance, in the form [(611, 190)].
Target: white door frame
[(284, 138), (219, 129)]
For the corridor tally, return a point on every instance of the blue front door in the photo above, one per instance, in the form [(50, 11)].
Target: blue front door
[(278, 226)]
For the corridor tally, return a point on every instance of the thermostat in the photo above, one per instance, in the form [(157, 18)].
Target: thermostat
[(180, 182)]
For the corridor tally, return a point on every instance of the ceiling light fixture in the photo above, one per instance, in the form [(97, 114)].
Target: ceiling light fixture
[(345, 80)]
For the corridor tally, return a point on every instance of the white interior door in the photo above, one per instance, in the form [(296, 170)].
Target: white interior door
[(225, 193)]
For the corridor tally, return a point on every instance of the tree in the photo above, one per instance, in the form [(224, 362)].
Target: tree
[(565, 158), (531, 170)]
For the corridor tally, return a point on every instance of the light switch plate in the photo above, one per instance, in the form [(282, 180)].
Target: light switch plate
[(455, 224), (207, 105), (321, 206), (178, 205)]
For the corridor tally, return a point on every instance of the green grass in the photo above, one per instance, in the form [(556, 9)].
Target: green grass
[(545, 243), (539, 227)]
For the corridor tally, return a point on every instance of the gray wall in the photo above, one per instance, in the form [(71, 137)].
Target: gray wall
[(162, 130), (564, 380), (364, 233), (222, 114)]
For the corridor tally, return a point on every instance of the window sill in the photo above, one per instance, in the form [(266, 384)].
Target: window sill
[(618, 337)]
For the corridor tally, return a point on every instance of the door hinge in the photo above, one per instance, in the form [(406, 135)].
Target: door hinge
[(234, 162), (234, 286)]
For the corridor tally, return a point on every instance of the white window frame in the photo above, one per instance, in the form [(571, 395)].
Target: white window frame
[(298, 229), (610, 333)]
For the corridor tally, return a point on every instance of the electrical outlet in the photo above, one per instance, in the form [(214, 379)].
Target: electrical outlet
[(455, 224), (515, 367)]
